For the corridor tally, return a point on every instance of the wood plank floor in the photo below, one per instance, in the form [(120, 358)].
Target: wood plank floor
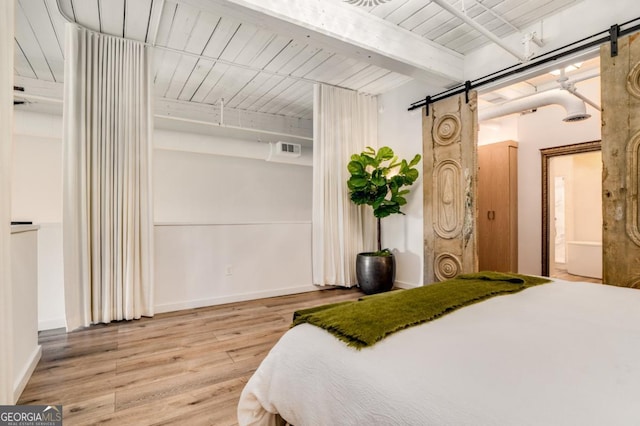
[(564, 275), (185, 367)]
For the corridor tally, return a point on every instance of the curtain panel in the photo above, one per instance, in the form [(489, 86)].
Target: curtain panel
[(344, 123), (107, 158)]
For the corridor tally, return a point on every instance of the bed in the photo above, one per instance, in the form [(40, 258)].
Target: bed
[(564, 353)]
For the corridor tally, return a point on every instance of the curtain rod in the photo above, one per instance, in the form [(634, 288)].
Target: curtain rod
[(613, 33)]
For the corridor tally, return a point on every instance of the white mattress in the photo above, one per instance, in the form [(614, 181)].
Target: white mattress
[(556, 354)]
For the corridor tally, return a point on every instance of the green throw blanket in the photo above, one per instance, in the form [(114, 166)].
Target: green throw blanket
[(368, 320)]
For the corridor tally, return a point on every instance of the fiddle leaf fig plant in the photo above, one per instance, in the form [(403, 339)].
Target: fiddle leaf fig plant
[(377, 179)]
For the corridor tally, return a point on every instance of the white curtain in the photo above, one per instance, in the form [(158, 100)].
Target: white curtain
[(6, 142), (344, 123), (107, 206)]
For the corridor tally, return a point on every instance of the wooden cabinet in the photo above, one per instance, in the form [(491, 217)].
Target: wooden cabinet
[(498, 207)]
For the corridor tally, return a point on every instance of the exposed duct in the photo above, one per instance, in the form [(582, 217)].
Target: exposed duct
[(576, 108)]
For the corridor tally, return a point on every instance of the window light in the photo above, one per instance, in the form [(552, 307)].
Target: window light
[(568, 68)]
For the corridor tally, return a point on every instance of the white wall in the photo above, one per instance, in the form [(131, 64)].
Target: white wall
[(232, 229), (207, 199), (587, 213), (203, 188), (203, 265), (492, 131), (402, 131)]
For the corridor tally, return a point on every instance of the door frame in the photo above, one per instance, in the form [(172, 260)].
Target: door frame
[(546, 155)]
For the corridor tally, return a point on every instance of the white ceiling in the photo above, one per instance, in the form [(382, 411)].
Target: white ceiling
[(207, 51), (501, 17)]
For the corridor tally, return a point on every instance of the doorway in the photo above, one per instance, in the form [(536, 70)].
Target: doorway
[(572, 212)]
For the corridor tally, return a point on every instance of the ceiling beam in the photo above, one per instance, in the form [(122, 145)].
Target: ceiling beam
[(478, 27), (347, 30), (157, 6)]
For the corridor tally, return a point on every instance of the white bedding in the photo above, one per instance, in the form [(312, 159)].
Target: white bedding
[(556, 354)]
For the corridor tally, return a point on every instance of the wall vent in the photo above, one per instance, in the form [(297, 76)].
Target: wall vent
[(288, 149)]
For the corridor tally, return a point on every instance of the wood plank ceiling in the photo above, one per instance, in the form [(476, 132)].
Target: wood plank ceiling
[(202, 57)]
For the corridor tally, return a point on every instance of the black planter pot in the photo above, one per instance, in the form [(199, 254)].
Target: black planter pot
[(375, 273)]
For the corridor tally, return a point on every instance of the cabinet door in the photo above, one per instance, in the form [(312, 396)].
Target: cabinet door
[(486, 261), (497, 214), (500, 209)]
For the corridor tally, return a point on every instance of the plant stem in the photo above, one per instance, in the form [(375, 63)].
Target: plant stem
[(379, 232)]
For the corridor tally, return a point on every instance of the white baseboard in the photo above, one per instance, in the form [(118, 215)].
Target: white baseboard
[(52, 323), (23, 378), (200, 303), (405, 285)]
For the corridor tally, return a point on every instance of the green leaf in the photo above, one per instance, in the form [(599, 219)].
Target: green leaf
[(393, 163), (378, 179), (369, 150), (410, 176), (359, 197), (357, 182), (386, 210), (380, 182), (398, 180), (415, 160), (367, 160), (381, 212), (356, 168), (400, 200), (384, 153)]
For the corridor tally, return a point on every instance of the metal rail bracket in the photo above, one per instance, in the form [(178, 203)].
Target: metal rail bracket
[(614, 32)]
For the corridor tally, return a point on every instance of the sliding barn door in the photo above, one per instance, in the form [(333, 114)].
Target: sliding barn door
[(620, 77), (450, 170)]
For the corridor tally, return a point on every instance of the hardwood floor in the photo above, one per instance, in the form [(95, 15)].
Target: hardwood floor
[(186, 367), (564, 275)]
